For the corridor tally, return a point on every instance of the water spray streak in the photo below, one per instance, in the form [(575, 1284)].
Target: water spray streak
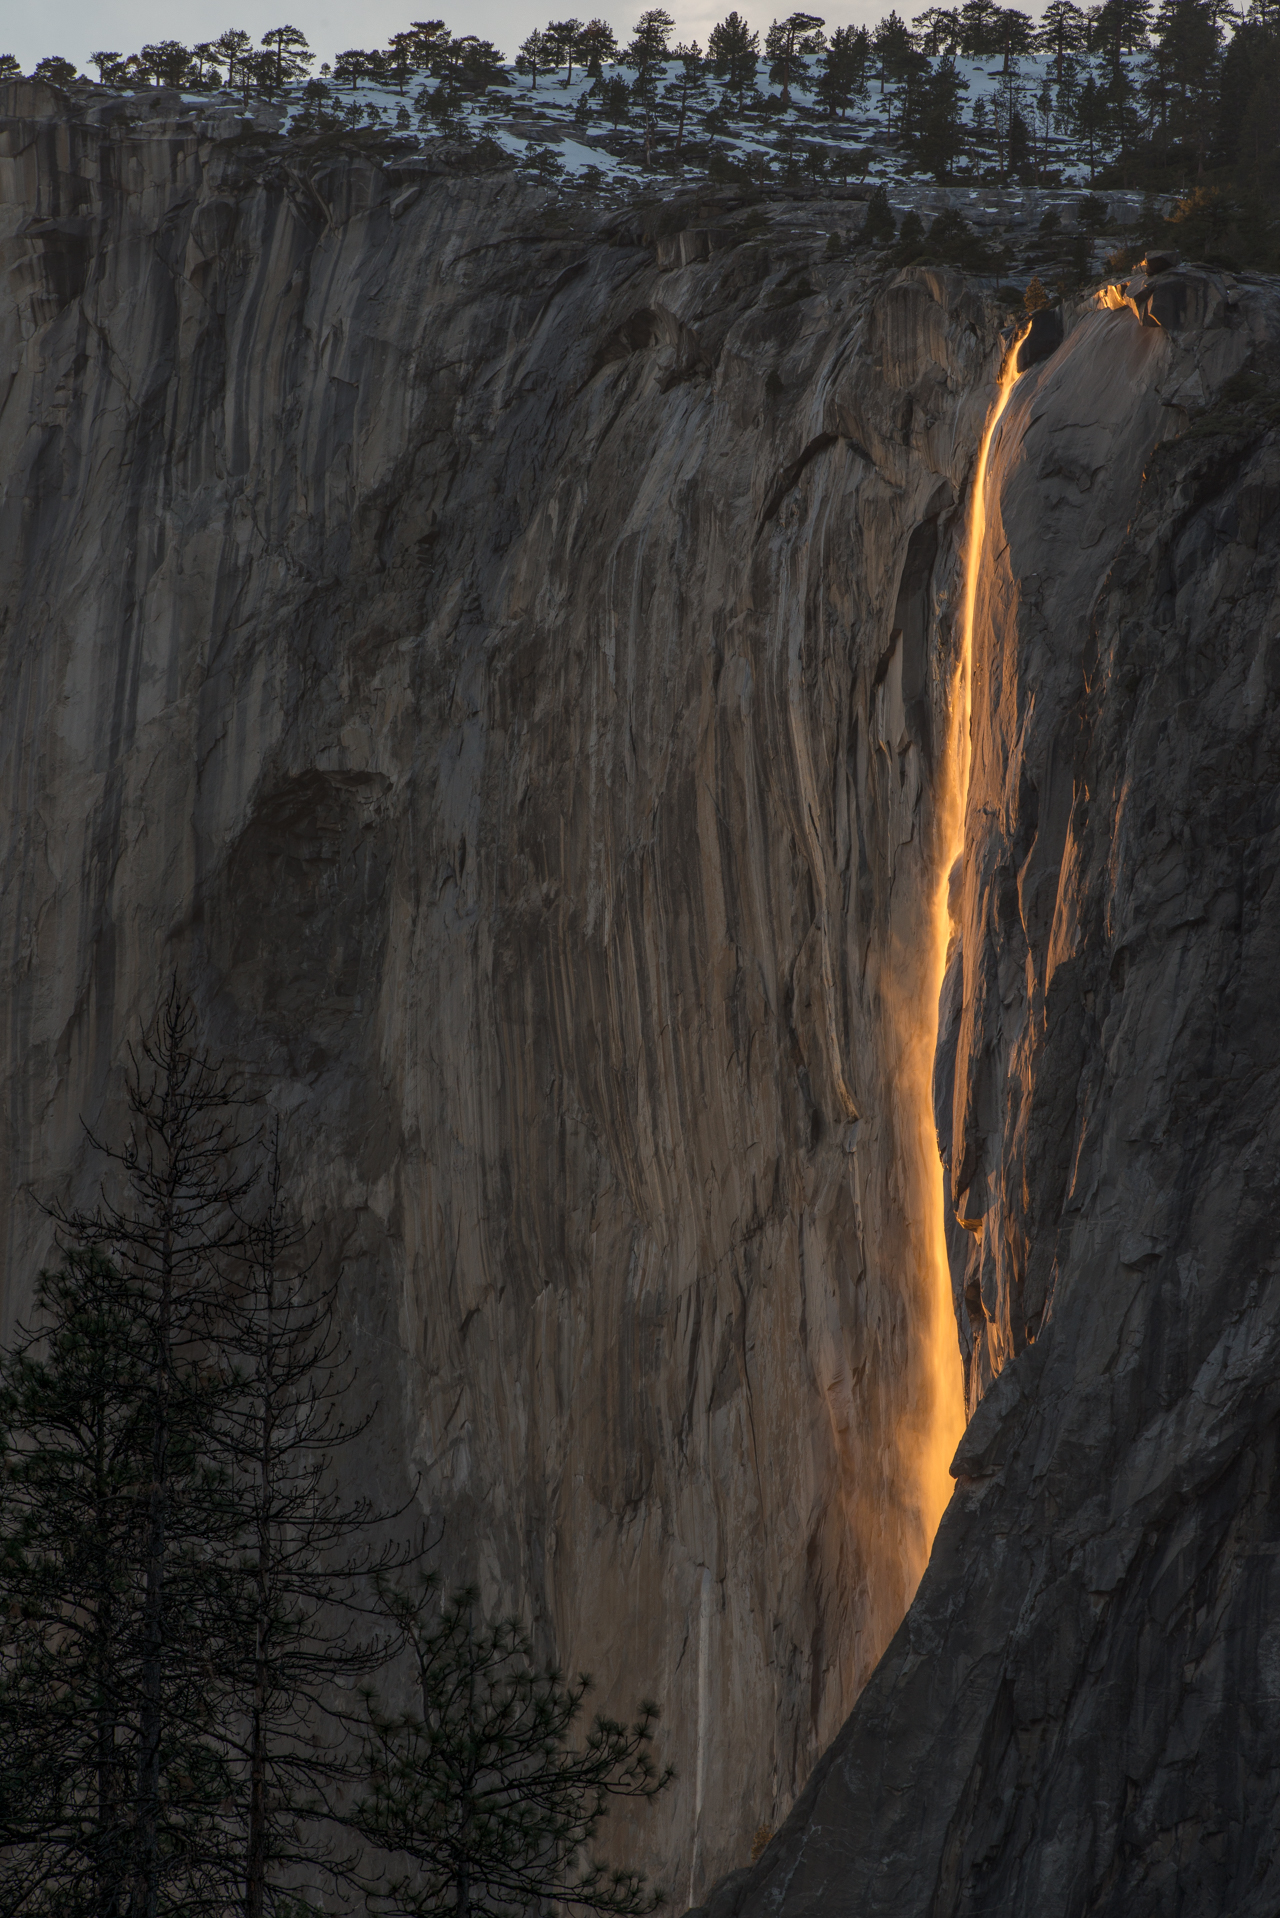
[(947, 1423)]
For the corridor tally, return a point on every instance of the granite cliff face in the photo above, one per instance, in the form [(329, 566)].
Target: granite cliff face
[(1078, 1714), (494, 667), (504, 663)]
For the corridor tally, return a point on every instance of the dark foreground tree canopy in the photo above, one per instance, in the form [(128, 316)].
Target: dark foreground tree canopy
[(474, 1782), (194, 1614)]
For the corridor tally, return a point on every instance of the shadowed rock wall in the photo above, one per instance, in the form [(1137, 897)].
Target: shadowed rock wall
[(506, 680), (509, 681), (1078, 1714)]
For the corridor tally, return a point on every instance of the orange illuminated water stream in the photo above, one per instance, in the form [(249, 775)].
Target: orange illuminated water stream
[(946, 1424)]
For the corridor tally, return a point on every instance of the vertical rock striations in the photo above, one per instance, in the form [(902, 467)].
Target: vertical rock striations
[(506, 679), (1077, 1715)]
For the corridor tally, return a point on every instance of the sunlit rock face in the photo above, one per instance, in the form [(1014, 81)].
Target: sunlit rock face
[(1077, 1714), (507, 680)]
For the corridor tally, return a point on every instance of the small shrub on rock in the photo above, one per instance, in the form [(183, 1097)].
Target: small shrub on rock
[(879, 225)]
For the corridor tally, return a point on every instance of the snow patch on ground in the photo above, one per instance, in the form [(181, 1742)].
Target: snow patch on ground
[(525, 121)]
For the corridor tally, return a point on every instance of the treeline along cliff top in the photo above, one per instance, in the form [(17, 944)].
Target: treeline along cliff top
[(1168, 109)]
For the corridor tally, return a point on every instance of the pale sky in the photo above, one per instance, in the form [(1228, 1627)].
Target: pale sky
[(74, 28)]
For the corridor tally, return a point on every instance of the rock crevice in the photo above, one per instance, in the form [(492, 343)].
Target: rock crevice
[(506, 671), (452, 640)]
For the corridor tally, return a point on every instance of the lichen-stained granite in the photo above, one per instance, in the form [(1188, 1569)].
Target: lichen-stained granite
[(505, 670)]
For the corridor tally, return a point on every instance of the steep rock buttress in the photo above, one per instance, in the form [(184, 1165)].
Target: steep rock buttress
[(506, 679), (509, 680), (1078, 1713)]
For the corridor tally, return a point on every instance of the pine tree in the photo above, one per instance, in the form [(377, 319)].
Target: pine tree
[(476, 1784), (940, 29), (1009, 127), (536, 56), (844, 69), (615, 99), (236, 49), (1062, 31), (733, 49), (305, 1552), (429, 41), (183, 1580), (402, 58), (1118, 27), (1121, 118), (688, 86), (167, 61), (1184, 72), (1089, 118), (205, 55), (878, 222), (171, 1229), (914, 79), (892, 43), (1249, 84), (1044, 118), (564, 36), (115, 1520), (289, 56), (940, 139), (645, 52), (788, 45), (55, 70), (596, 44), (73, 1496), (978, 24), (1014, 34), (354, 66), (464, 64)]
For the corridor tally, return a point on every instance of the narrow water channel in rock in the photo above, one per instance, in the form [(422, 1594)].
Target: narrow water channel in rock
[(946, 1391)]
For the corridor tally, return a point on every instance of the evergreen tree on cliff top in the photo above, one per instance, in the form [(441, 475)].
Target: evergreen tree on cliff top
[(648, 44), (788, 44), (596, 44), (733, 49), (844, 69), (565, 36)]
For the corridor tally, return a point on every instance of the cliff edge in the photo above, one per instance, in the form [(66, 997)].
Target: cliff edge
[(503, 658)]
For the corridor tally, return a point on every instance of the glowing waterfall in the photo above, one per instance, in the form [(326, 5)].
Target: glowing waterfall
[(947, 1421)]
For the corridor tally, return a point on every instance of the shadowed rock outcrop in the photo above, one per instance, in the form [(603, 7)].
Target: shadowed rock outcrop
[(506, 671), (1078, 1714), (496, 670)]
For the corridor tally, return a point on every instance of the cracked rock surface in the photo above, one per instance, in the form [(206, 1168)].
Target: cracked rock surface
[(495, 669), (1078, 1713), (502, 661)]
